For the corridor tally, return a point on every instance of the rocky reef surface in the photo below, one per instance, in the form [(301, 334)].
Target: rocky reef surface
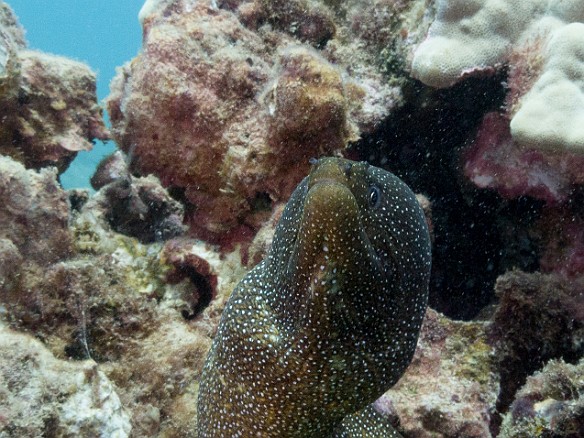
[(48, 103), (109, 302), (251, 89)]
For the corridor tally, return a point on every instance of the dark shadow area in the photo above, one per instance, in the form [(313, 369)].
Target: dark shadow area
[(477, 234)]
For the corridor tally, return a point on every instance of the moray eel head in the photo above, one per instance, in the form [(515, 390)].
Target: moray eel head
[(359, 245), (329, 320)]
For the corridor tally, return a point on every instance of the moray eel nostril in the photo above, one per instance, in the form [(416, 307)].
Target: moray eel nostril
[(329, 320)]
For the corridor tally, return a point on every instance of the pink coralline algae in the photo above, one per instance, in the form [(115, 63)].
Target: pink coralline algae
[(495, 161), (226, 103)]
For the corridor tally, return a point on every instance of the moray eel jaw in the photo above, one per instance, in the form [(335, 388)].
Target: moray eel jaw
[(330, 246)]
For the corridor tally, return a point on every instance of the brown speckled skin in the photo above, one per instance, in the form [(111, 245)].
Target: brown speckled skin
[(329, 320)]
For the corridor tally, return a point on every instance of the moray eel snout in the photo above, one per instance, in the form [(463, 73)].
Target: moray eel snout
[(329, 320)]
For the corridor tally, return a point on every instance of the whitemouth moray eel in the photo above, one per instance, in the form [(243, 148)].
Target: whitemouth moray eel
[(330, 319)]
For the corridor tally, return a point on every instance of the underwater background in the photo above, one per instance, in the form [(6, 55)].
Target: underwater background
[(275, 176)]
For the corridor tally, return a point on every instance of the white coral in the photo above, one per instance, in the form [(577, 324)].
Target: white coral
[(469, 37), (551, 115)]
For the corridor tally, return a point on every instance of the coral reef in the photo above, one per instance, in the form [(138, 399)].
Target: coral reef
[(308, 104), (35, 212), (225, 105), (539, 317), (247, 89), (551, 403), (46, 396), (451, 387), (54, 112), (137, 207), (535, 147), (48, 103), (10, 263)]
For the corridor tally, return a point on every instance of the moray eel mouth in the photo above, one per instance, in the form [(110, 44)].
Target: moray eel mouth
[(332, 210)]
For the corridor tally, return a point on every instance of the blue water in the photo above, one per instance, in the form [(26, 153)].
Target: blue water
[(101, 33)]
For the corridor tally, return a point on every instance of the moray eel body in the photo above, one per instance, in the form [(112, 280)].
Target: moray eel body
[(329, 320)]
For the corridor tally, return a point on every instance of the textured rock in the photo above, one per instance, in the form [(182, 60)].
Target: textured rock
[(11, 41), (159, 379), (141, 208), (551, 403), (561, 234), (10, 265), (56, 110), (34, 213), (48, 103), (117, 301), (245, 94), (479, 37), (450, 388), (539, 317), (110, 169), (45, 396)]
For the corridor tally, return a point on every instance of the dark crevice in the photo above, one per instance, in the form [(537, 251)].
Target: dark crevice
[(477, 234), (204, 292)]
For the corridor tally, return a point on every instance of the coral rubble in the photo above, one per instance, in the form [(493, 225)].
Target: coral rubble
[(451, 386)]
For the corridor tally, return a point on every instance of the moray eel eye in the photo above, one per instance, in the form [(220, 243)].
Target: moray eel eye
[(374, 196)]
